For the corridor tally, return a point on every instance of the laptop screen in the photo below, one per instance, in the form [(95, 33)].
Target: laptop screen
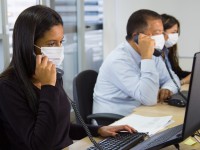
[(192, 116)]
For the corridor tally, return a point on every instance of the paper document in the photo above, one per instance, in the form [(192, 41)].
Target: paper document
[(145, 124)]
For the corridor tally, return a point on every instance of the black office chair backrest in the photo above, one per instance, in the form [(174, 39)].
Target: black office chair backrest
[(83, 86)]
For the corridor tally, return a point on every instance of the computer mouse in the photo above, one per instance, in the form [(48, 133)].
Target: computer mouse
[(177, 102)]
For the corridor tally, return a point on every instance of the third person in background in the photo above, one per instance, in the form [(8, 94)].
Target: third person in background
[(172, 31)]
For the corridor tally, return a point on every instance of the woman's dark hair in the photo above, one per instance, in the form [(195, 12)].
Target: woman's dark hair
[(137, 22), (168, 22), (30, 26)]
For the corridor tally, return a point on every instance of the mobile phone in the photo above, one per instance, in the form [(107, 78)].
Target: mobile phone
[(156, 53)]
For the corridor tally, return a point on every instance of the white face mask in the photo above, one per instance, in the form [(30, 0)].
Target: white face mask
[(55, 54), (172, 40), (159, 41)]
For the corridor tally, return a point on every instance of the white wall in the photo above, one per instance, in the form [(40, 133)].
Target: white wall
[(1, 30), (109, 25), (117, 12)]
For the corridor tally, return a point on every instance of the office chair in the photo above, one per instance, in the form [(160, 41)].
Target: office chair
[(83, 86)]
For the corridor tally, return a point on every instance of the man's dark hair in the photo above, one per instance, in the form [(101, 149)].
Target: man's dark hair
[(137, 22)]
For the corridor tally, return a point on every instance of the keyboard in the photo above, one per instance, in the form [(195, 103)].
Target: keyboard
[(123, 141), (162, 139)]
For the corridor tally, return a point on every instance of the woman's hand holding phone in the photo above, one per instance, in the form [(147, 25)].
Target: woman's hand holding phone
[(45, 71)]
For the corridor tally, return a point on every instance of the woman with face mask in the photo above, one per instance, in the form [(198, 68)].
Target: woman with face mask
[(34, 108), (172, 31)]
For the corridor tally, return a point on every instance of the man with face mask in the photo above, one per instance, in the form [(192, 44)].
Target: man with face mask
[(171, 31), (131, 75)]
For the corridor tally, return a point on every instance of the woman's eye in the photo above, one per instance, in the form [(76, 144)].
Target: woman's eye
[(55, 43), (63, 41), (51, 44)]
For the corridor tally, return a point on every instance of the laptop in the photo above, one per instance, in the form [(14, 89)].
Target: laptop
[(191, 121)]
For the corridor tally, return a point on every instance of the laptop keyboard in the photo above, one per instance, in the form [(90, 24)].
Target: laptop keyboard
[(123, 141), (159, 139)]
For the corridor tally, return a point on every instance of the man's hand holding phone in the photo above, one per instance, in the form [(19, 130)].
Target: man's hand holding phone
[(146, 46), (45, 71)]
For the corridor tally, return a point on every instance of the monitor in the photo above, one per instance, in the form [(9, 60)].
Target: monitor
[(192, 115)]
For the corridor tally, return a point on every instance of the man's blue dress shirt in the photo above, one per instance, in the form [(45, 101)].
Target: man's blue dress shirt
[(125, 81)]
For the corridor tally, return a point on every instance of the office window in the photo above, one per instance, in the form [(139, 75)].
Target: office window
[(14, 8), (94, 33), (68, 11), (1, 30), (91, 50)]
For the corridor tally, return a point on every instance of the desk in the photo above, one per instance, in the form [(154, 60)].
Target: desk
[(152, 111), (165, 110)]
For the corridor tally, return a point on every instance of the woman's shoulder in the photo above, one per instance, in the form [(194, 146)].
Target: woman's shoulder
[(10, 90), (9, 81)]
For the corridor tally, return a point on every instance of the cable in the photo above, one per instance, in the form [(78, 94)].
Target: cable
[(177, 146), (83, 124), (197, 139), (198, 133), (196, 136), (184, 98)]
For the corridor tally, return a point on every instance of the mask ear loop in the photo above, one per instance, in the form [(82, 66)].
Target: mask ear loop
[(37, 46), (40, 50)]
